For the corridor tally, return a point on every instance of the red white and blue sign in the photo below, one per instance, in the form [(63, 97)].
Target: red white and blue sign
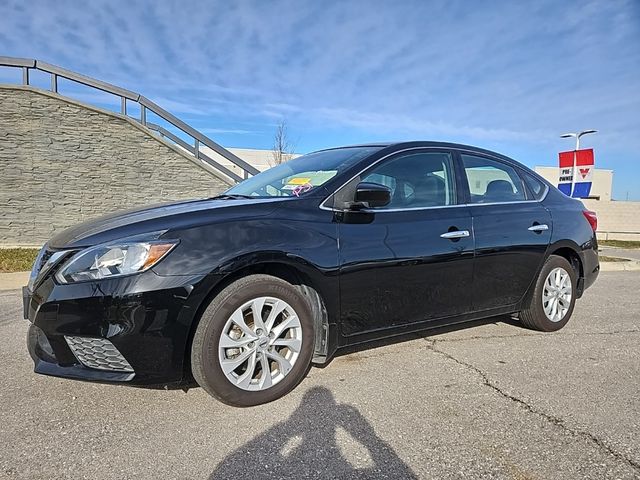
[(576, 170)]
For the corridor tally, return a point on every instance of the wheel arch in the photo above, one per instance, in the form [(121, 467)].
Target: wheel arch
[(571, 253), (567, 250), (288, 268)]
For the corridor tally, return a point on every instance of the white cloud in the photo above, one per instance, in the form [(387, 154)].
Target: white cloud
[(513, 72)]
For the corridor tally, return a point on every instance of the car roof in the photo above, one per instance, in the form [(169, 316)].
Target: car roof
[(424, 143)]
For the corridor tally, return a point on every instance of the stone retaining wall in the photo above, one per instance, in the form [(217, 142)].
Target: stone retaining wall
[(62, 162)]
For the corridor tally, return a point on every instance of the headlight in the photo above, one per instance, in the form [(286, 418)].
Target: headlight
[(113, 260)]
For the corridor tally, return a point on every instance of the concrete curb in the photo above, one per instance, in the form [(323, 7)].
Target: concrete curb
[(629, 265)]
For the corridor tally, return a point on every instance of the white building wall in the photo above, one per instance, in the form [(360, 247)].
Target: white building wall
[(602, 180), (616, 220)]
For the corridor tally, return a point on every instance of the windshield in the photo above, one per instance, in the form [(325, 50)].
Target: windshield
[(301, 175)]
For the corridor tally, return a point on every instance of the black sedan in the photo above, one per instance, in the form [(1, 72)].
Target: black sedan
[(243, 292)]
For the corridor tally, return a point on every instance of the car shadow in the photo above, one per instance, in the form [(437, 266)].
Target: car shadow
[(306, 446)]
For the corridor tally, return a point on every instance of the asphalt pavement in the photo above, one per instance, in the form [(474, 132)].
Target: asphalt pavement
[(489, 401)]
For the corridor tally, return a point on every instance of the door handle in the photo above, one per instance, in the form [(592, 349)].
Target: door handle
[(538, 228), (455, 234)]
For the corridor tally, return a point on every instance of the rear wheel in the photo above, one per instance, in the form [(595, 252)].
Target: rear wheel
[(254, 342), (551, 304)]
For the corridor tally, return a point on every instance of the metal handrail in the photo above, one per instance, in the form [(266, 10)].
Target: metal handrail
[(28, 64), (191, 149)]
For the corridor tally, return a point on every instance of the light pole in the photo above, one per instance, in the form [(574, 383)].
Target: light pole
[(575, 154)]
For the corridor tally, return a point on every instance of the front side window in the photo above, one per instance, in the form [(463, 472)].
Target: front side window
[(301, 175), (491, 181), (416, 180)]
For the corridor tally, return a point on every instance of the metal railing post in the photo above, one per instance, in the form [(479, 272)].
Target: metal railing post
[(54, 83), (123, 105), (143, 115), (196, 148), (25, 75)]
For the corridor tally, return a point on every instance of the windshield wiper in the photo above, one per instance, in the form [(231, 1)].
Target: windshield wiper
[(231, 196)]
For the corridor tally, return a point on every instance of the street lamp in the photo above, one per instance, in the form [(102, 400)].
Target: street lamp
[(577, 136), (575, 154)]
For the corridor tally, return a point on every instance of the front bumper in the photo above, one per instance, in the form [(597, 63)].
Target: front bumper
[(132, 330)]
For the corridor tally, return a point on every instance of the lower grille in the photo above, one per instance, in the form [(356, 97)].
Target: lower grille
[(98, 353)]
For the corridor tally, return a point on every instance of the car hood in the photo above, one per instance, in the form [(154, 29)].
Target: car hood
[(158, 218)]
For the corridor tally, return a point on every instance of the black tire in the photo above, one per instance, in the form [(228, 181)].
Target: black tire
[(205, 363), (533, 316)]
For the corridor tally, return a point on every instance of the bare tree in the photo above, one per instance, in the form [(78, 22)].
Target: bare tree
[(282, 146)]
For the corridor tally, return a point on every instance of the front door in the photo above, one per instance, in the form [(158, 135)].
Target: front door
[(412, 260)]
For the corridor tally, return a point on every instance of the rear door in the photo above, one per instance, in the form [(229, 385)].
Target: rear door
[(512, 231)]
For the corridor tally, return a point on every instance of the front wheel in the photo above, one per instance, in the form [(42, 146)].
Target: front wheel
[(254, 342), (551, 304)]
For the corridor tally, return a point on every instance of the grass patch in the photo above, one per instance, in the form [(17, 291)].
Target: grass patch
[(604, 258), (620, 243), (17, 259)]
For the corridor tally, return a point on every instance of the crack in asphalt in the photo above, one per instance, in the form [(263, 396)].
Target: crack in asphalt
[(559, 422), (520, 335)]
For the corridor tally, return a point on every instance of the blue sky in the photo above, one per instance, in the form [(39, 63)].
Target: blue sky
[(508, 76)]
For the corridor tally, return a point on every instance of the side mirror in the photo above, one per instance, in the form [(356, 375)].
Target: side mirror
[(370, 195)]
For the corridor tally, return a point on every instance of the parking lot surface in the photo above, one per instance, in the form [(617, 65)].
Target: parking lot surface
[(632, 254), (491, 401)]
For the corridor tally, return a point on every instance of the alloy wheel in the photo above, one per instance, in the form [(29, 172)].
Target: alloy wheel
[(556, 295), (260, 343)]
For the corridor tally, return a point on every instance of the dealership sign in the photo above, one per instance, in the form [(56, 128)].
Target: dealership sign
[(576, 172)]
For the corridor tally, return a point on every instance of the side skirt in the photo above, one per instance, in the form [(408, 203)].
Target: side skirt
[(398, 330)]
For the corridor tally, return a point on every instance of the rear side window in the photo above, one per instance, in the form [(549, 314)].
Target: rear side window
[(491, 181), (536, 187)]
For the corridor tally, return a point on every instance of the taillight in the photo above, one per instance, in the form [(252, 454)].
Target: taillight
[(592, 218)]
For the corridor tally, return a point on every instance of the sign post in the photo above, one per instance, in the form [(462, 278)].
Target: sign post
[(576, 168)]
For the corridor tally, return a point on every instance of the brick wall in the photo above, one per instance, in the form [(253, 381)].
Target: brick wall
[(616, 220), (62, 162)]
